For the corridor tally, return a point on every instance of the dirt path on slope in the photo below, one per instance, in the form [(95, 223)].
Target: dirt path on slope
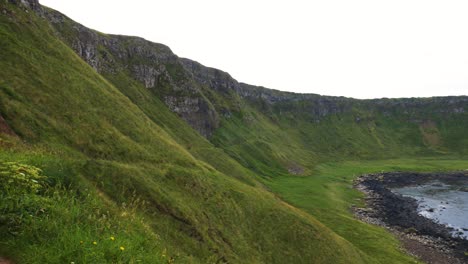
[(5, 261)]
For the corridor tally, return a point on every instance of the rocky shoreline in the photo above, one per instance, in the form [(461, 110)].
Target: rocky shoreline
[(427, 240)]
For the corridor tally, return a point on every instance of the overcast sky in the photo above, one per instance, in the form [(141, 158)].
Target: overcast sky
[(360, 48)]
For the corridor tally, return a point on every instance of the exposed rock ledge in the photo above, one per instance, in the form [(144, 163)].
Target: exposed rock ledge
[(32, 4)]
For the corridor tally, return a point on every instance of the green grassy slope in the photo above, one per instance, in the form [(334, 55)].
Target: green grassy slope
[(116, 170), (329, 187), (291, 135), (266, 130), (121, 161)]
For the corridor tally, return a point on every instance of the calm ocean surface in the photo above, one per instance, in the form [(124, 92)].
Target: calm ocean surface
[(446, 204)]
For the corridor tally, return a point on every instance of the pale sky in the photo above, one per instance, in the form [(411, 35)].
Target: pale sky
[(359, 48)]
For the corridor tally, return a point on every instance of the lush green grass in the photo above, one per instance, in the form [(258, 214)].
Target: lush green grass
[(327, 194), (120, 164), (268, 143), (74, 223), (91, 138)]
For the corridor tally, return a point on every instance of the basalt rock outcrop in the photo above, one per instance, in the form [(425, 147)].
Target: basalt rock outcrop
[(31, 4), (203, 96), (154, 65)]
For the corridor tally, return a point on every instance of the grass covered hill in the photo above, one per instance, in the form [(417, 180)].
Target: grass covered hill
[(282, 130), (115, 150)]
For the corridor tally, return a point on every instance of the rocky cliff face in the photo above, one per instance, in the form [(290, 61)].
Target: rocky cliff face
[(201, 95), (215, 79), (447, 105), (30, 4), (154, 65), (313, 105)]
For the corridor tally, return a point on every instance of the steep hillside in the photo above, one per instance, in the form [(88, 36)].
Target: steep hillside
[(175, 160), (283, 131), (90, 138)]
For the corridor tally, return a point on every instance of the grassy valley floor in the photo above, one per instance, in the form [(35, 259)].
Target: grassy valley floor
[(328, 195)]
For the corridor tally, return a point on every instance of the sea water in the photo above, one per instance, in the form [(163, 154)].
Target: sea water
[(444, 203)]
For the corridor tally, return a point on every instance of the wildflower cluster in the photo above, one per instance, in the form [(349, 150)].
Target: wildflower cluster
[(107, 248)]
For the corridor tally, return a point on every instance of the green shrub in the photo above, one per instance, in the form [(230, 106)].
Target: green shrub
[(21, 187), (20, 179)]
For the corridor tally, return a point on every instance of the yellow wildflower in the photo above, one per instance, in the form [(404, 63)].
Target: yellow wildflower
[(94, 243), (122, 248), (112, 238)]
